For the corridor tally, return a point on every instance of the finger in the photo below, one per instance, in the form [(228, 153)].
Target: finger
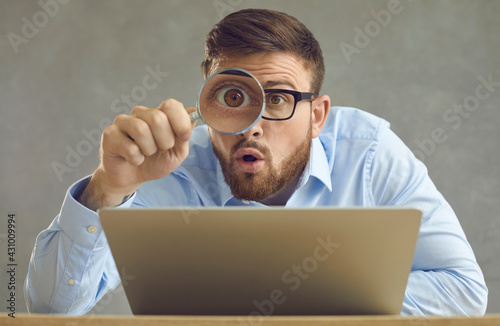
[(178, 118), (160, 128), (139, 131), (116, 144)]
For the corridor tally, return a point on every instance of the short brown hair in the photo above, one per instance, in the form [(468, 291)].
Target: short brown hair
[(254, 31)]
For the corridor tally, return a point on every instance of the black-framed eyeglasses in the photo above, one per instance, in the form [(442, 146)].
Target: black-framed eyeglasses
[(281, 103)]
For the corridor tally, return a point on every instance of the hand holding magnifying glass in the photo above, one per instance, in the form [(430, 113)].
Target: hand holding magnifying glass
[(230, 101)]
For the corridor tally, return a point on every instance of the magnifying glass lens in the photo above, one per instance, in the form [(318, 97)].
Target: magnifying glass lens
[(231, 101)]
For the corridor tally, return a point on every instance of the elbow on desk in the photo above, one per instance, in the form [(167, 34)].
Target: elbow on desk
[(444, 293), (478, 301)]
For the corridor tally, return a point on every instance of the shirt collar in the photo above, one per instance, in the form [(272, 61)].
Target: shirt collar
[(317, 167)]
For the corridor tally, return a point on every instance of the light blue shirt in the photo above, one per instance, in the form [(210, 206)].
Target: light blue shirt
[(356, 161)]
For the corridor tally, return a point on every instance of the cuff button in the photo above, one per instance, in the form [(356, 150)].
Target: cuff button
[(92, 229)]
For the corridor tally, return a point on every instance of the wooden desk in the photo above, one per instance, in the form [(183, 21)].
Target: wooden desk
[(55, 320)]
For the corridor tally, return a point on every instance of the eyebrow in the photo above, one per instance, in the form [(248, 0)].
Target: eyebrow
[(272, 83)]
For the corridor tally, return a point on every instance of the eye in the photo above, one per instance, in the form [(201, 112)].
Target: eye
[(276, 99), (233, 97)]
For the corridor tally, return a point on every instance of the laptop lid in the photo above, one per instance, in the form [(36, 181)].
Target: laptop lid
[(263, 261)]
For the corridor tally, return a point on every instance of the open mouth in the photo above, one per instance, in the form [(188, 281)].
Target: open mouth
[(249, 158), (248, 155)]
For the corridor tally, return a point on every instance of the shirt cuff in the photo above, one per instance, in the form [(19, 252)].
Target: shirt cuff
[(81, 224)]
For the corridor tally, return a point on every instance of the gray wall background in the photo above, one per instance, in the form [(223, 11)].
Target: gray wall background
[(61, 82)]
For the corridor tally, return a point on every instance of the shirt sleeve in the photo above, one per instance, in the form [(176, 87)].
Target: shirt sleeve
[(71, 267), (445, 278)]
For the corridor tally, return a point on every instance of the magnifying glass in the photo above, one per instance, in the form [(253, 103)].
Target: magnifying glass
[(230, 101)]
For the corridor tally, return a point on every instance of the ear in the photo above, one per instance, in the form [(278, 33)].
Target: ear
[(319, 113)]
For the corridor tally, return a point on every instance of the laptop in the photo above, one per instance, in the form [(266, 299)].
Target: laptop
[(263, 261)]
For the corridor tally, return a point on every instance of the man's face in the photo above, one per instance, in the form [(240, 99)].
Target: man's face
[(272, 154)]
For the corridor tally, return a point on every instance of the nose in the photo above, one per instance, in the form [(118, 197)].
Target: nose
[(255, 132)]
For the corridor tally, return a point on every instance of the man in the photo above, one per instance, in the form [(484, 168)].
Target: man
[(315, 157)]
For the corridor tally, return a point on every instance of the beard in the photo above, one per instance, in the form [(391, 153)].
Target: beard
[(269, 180)]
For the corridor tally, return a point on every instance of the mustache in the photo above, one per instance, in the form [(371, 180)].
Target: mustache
[(245, 143)]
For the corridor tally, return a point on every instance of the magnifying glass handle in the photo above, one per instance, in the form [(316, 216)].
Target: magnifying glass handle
[(194, 116)]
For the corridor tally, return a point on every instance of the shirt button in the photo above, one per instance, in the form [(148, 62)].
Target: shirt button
[(246, 202), (92, 229), (71, 282)]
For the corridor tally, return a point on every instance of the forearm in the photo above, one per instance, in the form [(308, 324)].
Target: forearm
[(445, 277), (445, 293), (64, 277), (71, 266)]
